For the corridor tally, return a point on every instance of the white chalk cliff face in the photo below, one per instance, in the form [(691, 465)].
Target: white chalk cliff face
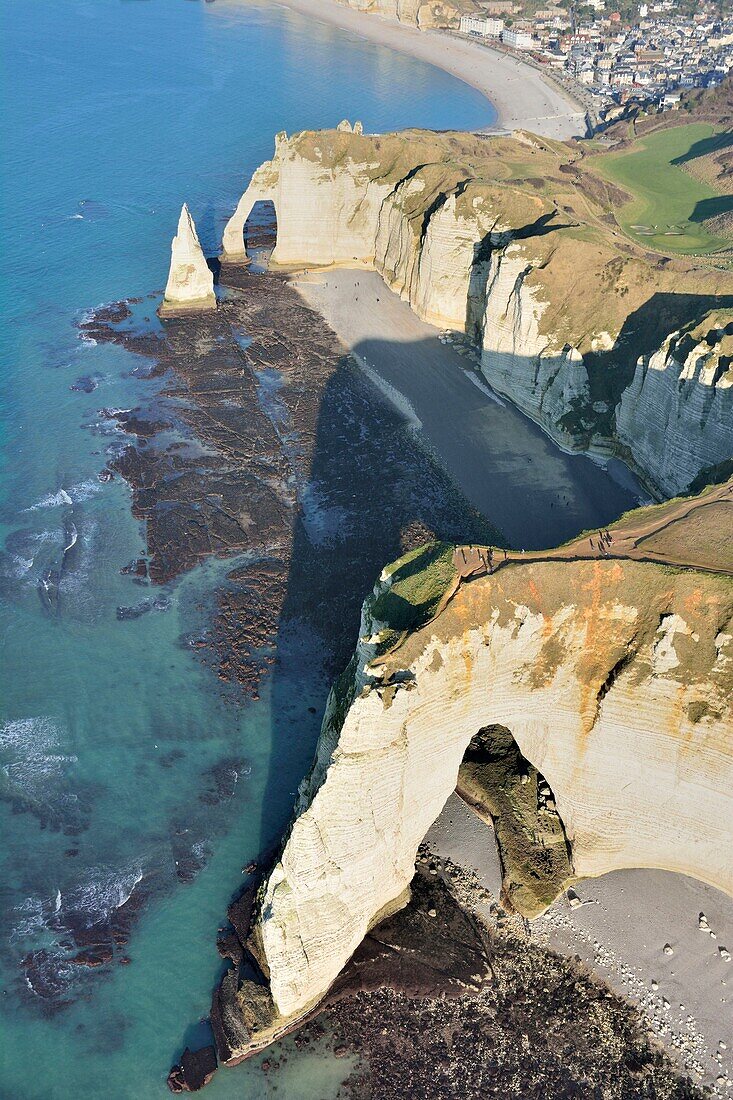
[(616, 681), (190, 285), (419, 13), (557, 317), (683, 392)]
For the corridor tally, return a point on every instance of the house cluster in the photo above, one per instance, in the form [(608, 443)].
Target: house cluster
[(653, 54)]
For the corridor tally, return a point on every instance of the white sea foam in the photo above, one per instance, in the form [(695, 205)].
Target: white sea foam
[(30, 919), (97, 895), (473, 377), (35, 735), (30, 758), (73, 536), (104, 890), (22, 565), (75, 494), (393, 395)]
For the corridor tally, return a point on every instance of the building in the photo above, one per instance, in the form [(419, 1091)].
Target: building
[(485, 26), (517, 39)]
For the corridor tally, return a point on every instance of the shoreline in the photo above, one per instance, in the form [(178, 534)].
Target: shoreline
[(517, 91), (569, 492), (618, 924)]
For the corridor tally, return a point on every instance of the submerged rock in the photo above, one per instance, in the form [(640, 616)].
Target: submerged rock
[(195, 1070), (190, 283)]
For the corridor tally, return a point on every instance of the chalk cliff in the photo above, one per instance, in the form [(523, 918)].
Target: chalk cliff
[(419, 13), (612, 680), (684, 391), (190, 285), (507, 241)]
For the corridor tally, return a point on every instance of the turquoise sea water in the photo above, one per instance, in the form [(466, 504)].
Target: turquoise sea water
[(112, 737)]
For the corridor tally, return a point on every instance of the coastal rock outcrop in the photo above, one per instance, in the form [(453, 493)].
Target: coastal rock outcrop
[(190, 285), (613, 679), (502, 241)]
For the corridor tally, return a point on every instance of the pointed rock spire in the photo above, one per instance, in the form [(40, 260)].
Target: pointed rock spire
[(190, 283)]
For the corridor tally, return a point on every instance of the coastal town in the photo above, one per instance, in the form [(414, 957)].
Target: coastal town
[(614, 55)]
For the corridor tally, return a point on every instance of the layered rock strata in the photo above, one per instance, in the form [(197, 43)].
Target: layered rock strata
[(686, 384), (615, 680), (507, 242), (425, 14), (190, 285)]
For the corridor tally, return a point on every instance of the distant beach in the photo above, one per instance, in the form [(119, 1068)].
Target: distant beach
[(520, 95)]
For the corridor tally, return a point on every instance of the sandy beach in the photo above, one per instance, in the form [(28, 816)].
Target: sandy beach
[(619, 925), (437, 389), (522, 98)]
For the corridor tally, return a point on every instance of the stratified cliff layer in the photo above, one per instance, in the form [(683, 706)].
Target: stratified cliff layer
[(512, 243), (419, 13), (599, 688)]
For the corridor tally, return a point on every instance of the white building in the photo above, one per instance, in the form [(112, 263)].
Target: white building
[(517, 39), (484, 26)]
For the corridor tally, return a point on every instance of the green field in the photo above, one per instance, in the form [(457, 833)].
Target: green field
[(669, 205)]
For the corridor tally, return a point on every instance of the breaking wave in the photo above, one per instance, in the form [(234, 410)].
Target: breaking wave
[(75, 494)]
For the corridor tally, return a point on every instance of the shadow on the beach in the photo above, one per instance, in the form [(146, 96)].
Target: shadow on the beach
[(371, 491)]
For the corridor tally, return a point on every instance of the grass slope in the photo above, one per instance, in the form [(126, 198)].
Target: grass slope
[(670, 206)]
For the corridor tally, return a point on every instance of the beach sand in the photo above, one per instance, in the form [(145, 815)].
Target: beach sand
[(522, 98), (508, 468), (620, 930)]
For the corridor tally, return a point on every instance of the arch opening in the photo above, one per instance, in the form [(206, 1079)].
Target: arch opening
[(508, 792), (260, 233)]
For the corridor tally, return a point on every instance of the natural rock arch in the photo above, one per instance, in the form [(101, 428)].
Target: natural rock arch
[(617, 690)]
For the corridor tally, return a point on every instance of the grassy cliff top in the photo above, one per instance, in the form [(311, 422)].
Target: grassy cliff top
[(573, 208), (655, 555)]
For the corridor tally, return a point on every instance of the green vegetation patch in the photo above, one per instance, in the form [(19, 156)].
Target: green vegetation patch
[(419, 581), (670, 206)]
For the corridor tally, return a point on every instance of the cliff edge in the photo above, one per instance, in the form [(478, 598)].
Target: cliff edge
[(511, 244), (580, 699)]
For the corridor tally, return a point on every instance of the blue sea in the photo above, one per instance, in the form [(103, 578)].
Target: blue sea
[(112, 736), (125, 771)]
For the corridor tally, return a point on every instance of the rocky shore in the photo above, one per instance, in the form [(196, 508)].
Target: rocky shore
[(275, 453), (438, 1001)]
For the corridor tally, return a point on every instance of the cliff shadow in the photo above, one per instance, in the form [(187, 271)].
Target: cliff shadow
[(372, 488), (716, 143), (712, 208), (368, 494), (642, 333)]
